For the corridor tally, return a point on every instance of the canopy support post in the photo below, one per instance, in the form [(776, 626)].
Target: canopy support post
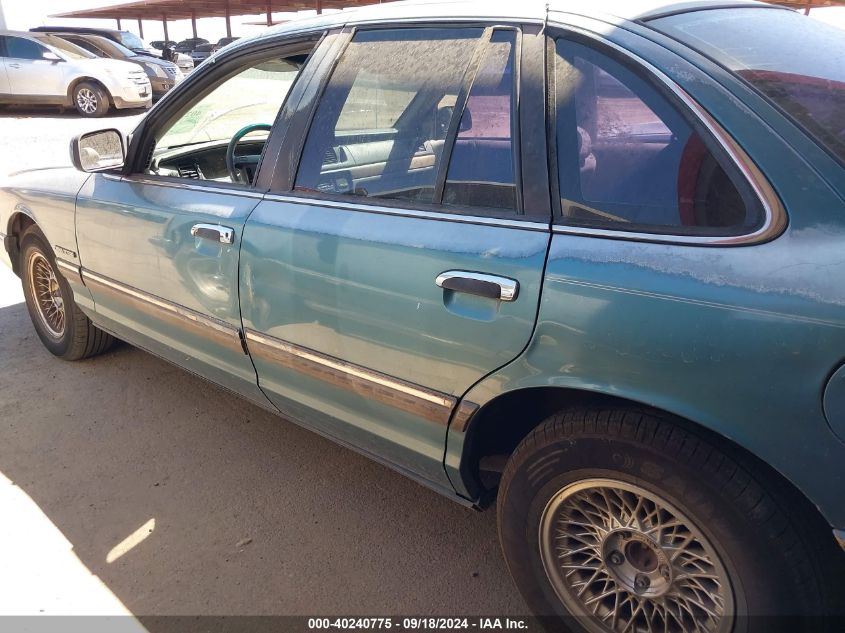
[(807, 8), (319, 6), (269, 13), (164, 23), (119, 28), (194, 21), (228, 20), (140, 28)]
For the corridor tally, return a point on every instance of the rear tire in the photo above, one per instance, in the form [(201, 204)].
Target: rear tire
[(624, 515), (62, 327), (90, 99)]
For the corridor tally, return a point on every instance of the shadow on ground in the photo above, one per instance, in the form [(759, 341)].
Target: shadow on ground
[(253, 514), (56, 112)]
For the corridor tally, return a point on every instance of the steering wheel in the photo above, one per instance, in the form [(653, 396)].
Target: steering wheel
[(236, 171)]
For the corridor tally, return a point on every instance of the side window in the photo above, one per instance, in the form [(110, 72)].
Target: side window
[(195, 143), (381, 125), (19, 48), (481, 169), (628, 160)]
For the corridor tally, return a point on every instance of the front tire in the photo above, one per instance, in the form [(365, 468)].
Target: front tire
[(620, 520), (62, 327), (90, 99)]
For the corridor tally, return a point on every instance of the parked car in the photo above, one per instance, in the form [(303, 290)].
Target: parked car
[(224, 41), (615, 307), (163, 75), (40, 68), (201, 53), (188, 45), (124, 38), (162, 44)]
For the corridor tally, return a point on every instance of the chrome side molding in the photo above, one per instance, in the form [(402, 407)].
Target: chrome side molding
[(189, 321), (431, 405)]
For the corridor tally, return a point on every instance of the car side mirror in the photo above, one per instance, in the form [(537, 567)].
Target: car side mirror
[(103, 150), (50, 56)]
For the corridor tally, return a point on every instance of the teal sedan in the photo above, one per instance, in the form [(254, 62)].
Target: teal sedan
[(583, 261)]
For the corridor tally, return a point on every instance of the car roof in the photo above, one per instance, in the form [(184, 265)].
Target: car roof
[(508, 10)]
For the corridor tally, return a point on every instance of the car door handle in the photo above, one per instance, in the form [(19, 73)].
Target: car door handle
[(214, 232), (481, 284), (14, 65)]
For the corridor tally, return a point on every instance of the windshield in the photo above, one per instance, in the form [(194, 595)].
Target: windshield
[(71, 51), (130, 40), (796, 61), (112, 48)]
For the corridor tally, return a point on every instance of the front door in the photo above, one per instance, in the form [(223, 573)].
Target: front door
[(159, 248), (406, 262)]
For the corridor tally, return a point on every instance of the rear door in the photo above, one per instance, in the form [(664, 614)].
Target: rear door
[(400, 260)]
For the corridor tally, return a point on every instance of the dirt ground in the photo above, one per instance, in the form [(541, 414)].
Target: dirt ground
[(130, 486)]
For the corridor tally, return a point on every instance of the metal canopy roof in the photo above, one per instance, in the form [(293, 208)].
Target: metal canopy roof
[(195, 9)]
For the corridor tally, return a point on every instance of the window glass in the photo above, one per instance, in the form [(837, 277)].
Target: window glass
[(19, 48), (194, 145), (481, 169), (629, 160), (796, 61), (68, 49), (381, 124)]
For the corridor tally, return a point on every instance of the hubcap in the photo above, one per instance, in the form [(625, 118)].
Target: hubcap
[(86, 100), (628, 561), (47, 293)]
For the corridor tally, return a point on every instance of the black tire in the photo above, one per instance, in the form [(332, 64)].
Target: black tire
[(90, 99), (77, 337), (779, 557)]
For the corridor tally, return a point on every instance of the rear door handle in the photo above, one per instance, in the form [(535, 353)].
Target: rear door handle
[(481, 284), (214, 232)]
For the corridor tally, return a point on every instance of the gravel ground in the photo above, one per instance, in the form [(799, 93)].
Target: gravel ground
[(130, 486)]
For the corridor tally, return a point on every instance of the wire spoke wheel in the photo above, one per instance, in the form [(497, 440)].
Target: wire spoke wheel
[(627, 561), (86, 100), (47, 293)]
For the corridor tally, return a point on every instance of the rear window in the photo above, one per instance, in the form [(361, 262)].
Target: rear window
[(796, 61)]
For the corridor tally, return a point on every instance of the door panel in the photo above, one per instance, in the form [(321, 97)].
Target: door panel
[(350, 333), (151, 278)]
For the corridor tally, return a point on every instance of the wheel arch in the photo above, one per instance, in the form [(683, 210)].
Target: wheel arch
[(85, 78), (20, 221), (491, 436)]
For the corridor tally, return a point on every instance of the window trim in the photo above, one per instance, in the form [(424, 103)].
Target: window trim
[(774, 220), (283, 185)]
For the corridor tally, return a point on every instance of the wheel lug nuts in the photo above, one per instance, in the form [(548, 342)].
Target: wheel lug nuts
[(616, 558), (641, 583)]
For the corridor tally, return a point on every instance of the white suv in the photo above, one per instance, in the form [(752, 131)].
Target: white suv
[(40, 68)]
